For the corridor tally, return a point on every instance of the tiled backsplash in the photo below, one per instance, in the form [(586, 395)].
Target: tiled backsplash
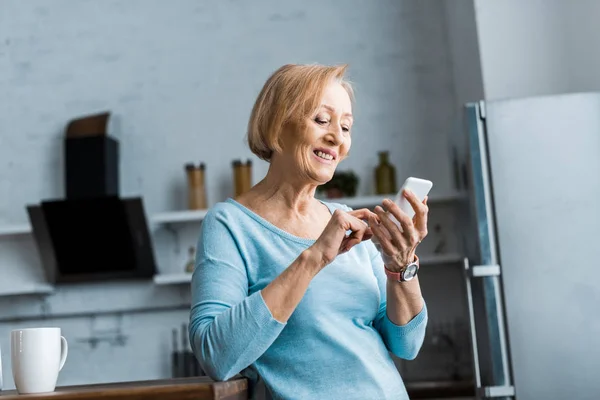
[(108, 348), (136, 347)]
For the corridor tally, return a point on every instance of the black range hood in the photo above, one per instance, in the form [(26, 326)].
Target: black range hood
[(92, 234), (93, 239)]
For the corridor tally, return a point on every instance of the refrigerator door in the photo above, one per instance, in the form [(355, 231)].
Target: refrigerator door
[(482, 280), (542, 158)]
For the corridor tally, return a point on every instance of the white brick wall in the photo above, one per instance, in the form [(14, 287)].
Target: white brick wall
[(180, 78)]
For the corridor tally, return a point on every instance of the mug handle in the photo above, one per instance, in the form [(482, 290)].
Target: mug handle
[(64, 350)]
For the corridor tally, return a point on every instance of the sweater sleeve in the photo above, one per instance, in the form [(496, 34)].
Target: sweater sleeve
[(404, 341), (228, 328)]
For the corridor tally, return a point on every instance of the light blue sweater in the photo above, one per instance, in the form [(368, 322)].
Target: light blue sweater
[(335, 345)]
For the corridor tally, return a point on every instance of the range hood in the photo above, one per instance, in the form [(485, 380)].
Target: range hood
[(93, 239), (92, 234)]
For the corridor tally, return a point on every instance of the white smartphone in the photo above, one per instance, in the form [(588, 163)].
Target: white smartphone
[(420, 187)]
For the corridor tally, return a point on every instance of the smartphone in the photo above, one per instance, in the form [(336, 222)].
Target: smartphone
[(420, 187)]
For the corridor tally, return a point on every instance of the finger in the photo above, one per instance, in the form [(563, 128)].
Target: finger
[(406, 224), (421, 215), (377, 221), (383, 243), (355, 224), (373, 225), (398, 237), (406, 228), (421, 211), (420, 219), (410, 235), (374, 238), (420, 223), (336, 230), (362, 213), (424, 203), (343, 222), (357, 236), (350, 243), (334, 238), (414, 201)]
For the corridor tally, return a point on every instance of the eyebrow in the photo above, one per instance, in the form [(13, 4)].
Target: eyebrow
[(333, 110)]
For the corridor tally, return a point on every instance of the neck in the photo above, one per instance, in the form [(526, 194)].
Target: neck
[(291, 192)]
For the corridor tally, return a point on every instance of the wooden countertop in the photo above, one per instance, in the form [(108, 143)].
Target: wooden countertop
[(201, 388)]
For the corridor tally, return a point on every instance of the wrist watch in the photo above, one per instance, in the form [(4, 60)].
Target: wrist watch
[(406, 274)]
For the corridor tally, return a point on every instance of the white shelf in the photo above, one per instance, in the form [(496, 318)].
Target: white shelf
[(172, 279), (16, 229), (160, 218), (198, 215), (178, 216), (33, 288), (371, 201), (359, 201), (426, 260)]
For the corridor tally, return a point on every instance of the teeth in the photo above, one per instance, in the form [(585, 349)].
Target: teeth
[(324, 155)]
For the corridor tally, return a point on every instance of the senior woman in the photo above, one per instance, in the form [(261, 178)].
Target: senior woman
[(293, 290)]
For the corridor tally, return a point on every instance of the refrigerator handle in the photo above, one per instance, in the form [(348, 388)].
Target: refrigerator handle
[(476, 369)]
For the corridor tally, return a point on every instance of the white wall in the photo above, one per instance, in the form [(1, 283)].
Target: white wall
[(463, 44), (582, 49), (180, 79), (522, 47), (538, 47)]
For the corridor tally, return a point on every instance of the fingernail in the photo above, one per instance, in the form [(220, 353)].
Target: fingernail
[(407, 192)]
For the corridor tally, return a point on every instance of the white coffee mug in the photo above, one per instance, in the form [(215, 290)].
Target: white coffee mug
[(37, 355)]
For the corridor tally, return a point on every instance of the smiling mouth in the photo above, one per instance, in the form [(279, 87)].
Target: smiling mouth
[(324, 156)]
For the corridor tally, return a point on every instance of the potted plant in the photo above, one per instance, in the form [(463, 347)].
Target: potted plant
[(343, 184)]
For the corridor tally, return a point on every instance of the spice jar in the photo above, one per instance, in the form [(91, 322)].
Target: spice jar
[(242, 177), (196, 186)]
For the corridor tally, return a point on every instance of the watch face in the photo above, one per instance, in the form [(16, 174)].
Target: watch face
[(410, 272)]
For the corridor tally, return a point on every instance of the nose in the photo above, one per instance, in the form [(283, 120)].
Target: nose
[(335, 136)]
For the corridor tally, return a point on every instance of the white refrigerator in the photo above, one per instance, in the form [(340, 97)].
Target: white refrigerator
[(532, 234)]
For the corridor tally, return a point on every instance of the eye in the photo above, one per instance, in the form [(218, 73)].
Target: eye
[(346, 128), (321, 121)]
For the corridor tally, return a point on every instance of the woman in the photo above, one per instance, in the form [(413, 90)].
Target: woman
[(290, 289)]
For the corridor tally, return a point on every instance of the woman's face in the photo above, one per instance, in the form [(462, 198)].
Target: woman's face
[(316, 151)]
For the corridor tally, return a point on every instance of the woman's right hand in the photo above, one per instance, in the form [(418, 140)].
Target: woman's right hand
[(335, 240)]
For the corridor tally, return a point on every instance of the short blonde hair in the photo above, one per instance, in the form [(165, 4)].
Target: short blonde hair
[(290, 95)]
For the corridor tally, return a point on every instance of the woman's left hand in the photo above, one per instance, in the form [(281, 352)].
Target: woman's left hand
[(397, 246)]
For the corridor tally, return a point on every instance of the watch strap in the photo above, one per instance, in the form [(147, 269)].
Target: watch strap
[(397, 276)]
